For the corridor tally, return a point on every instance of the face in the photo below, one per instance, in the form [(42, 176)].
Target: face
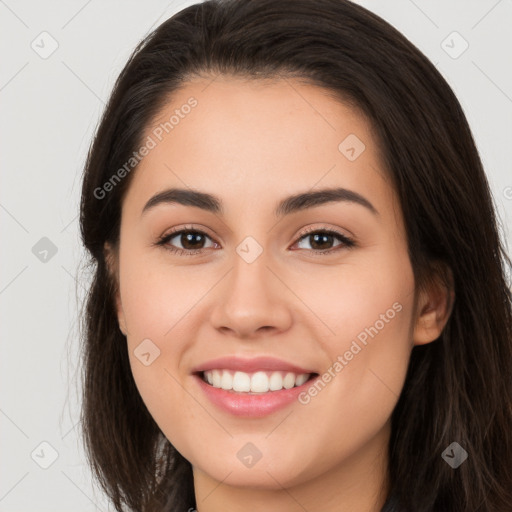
[(320, 289)]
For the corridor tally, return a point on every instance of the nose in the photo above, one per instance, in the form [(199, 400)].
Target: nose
[(252, 301)]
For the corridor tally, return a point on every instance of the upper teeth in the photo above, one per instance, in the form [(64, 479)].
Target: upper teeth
[(258, 382)]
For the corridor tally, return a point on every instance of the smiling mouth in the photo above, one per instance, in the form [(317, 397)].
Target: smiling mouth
[(255, 382)]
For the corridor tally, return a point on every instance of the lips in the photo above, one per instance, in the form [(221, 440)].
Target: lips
[(252, 405), (251, 365), (252, 387)]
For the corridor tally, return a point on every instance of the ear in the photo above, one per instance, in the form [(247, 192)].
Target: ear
[(434, 306), (111, 259)]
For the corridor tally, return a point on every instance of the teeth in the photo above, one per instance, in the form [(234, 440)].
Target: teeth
[(241, 382), (226, 381), (301, 379), (216, 378), (289, 381), (258, 382)]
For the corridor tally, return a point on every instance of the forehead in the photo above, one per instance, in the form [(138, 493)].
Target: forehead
[(246, 140)]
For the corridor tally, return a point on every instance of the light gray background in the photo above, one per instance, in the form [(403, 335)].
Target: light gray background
[(49, 110)]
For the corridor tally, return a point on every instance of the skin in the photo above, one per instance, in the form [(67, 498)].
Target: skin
[(252, 143)]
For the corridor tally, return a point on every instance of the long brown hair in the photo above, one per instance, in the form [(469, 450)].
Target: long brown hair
[(458, 388)]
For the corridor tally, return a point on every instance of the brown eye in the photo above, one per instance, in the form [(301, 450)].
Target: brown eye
[(185, 241), (321, 241), (191, 240), (324, 240)]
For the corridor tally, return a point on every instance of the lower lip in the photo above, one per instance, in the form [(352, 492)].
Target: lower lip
[(252, 405)]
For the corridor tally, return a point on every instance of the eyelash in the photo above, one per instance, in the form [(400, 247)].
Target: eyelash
[(346, 242)]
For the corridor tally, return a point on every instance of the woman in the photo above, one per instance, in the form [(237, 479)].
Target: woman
[(299, 299)]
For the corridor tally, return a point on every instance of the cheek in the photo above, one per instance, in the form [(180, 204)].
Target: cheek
[(368, 308), (369, 296), (157, 296), (361, 385), (158, 303)]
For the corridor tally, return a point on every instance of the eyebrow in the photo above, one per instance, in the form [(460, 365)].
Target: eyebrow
[(291, 204)]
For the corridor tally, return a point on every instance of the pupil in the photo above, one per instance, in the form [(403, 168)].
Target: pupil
[(190, 237), (325, 239)]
